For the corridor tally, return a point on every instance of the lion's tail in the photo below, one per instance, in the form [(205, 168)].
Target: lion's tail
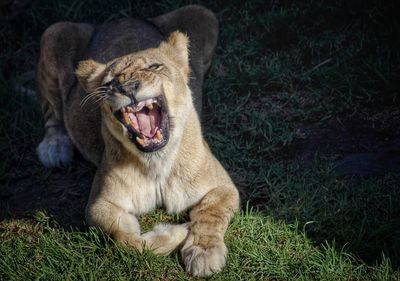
[(165, 238)]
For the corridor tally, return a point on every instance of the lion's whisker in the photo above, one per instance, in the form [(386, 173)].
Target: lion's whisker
[(91, 95)]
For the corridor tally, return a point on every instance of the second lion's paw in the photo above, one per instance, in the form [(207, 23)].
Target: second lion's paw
[(201, 261)]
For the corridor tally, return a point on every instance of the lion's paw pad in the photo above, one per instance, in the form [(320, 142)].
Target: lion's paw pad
[(204, 262), (56, 151)]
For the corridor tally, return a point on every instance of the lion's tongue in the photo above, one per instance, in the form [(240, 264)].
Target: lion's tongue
[(148, 122)]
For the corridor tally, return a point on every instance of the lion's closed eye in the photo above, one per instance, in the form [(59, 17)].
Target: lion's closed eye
[(155, 66)]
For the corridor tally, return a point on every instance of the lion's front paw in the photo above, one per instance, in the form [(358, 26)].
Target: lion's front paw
[(200, 261), (55, 150), (165, 238)]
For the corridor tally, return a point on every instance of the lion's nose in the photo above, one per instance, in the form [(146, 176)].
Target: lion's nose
[(132, 86), (130, 89)]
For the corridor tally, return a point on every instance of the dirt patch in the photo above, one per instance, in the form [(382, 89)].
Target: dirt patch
[(361, 144), (61, 193)]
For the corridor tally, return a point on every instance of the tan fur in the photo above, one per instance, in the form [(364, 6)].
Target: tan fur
[(180, 176)]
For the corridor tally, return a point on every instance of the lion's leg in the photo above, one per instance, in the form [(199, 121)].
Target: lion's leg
[(204, 251), (114, 215), (116, 221), (60, 47), (201, 25), (123, 226)]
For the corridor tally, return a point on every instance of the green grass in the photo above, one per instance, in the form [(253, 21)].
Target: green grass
[(279, 66), (261, 249)]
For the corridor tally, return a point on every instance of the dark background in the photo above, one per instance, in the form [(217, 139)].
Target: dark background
[(301, 106)]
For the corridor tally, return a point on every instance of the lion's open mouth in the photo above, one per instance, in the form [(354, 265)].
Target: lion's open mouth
[(147, 123)]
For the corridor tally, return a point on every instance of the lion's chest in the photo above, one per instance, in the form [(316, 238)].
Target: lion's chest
[(159, 187), (178, 195), (175, 195)]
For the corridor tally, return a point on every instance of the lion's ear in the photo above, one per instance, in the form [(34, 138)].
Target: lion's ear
[(177, 47), (90, 74)]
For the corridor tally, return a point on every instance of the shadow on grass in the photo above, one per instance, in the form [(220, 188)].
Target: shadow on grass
[(60, 193)]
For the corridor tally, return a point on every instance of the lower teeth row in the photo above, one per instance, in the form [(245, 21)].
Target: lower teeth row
[(145, 141)]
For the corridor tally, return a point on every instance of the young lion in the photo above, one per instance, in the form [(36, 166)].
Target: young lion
[(133, 116)]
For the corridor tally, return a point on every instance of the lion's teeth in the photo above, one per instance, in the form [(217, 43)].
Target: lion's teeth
[(149, 103), (140, 106), (158, 135), (140, 141), (123, 109), (126, 118)]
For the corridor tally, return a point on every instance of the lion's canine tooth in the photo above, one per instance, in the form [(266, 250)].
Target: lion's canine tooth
[(139, 106), (149, 104), (140, 141), (126, 118), (158, 135), (123, 109)]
